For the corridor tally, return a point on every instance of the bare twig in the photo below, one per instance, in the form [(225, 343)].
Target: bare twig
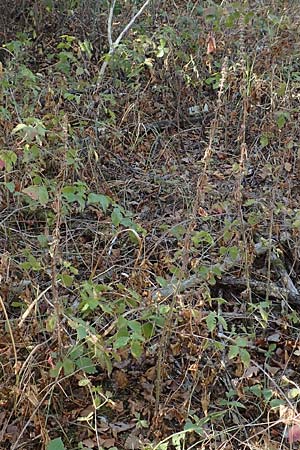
[(11, 334), (114, 45), (109, 24)]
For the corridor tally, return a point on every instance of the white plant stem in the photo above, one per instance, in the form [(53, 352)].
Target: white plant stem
[(114, 45)]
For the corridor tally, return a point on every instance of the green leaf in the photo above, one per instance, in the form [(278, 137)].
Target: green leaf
[(296, 223), (256, 390), (163, 446), (43, 195), (216, 270), (276, 402), (121, 341), (241, 342), (116, 217), (267, 394), (233, 351), (103, 200), (211, 321), (56, 444), (161, 281), (8, 159), (148, 330), (178, 231), (68, 366), (281, 119), (86, 364), (37, 193), (223, 322), (245, 357), (10, 185), (105, 362), (19, 127), (293, 393), (67, 280), (51, 323), (177, 440), (135, 326), (233, 252), (264, 140), (202, 237), (81, 332), (254, 218), (236, 404), (76, 352), (84, 382), (136, 349), (54, 372)]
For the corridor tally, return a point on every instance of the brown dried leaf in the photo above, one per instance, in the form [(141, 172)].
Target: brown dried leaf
[(288, 166), (211, 44), (294, 433), (151, 373), (133, 442), (120, 379), (205, 402), (251, 371)]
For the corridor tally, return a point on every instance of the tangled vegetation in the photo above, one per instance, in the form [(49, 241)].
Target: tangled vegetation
[(150, 225)]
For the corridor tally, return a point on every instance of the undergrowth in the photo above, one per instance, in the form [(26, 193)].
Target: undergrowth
[(150, 226)]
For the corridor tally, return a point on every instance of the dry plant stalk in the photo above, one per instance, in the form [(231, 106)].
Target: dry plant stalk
[(185, 258), (242, 163), (202, 180), (54, 248)]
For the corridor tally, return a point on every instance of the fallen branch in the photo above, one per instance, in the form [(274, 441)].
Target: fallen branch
[(261, 288), (288, 292)]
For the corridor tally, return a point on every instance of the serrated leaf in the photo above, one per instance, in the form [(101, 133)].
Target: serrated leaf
[(68, 366), (81, 332), (233, 351), (86, 364), (223, 322), (241, 342), (135, 326), (211, 321), (121, 341)]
